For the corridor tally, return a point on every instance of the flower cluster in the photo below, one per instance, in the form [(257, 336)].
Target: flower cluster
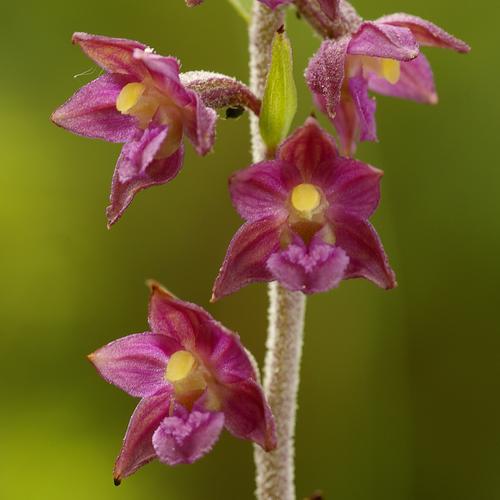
[(306, 207)]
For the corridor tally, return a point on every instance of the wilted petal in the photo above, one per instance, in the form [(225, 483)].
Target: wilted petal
[(263, 189), (92, 112), (307, 148), (325, 72), (136, 364), (187, 436), (367, 258), (138, 169), (200, 125), (137, 449), (247, 414), (246, 257), (377, 39), (352, 186), (115, 55), (425, 32), (416, 82), (316, 268)]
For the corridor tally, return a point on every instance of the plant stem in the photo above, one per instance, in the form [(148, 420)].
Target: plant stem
[(275, 470)]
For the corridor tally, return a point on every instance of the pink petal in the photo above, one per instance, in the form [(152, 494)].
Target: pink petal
[(200, 125), (187, 436), (137, 449), (115, 55), (247, 414), (425, 32), (246, 257), (137, 169), (416, 82), (136, 363), (377, 39), (325, 72), (367, 258), (316, 268), (307, 148), (330, 8), (262, 190), (273, 4), (352, 187), (92, 112)]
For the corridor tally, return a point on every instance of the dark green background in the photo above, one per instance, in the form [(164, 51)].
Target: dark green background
[(400, 391)]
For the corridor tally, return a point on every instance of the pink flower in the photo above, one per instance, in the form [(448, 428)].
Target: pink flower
[(306, 218), (193, 377), (382, 56), (140, 102)]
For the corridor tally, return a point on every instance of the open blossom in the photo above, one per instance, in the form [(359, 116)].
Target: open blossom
[(382, 56), (139, 101), (306, 218), (194, 378)]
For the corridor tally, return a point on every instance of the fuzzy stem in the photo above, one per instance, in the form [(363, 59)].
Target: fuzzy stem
[(275, 470)]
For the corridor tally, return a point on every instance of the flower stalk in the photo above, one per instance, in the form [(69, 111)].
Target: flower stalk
[(275, 470)]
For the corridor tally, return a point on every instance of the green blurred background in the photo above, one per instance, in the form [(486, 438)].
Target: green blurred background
[(399, 397)]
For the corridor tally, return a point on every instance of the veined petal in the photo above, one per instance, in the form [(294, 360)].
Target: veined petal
[(246, 257), (325, 72), (136, 363), (138, 169), (262, 190), (376, 39), (193, 328), (200, 124), (137, 449), (307, 148), (316, 268), (115, 55), (92, 112), (416, 82), (425, 32), (352, 187), (346, 122), (187, 436), (247, 414), (367, 258), (165, 73)]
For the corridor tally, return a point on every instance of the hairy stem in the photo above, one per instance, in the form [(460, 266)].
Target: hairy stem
[(275, 470)]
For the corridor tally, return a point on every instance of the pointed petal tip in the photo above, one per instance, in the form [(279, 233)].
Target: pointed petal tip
[(117, 481)]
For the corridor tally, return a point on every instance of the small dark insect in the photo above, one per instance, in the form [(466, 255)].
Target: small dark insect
[(234, 112)]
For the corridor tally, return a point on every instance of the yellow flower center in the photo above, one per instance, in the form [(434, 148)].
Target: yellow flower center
[(129, 96), (179, 366), (305, 198), (390, 70)]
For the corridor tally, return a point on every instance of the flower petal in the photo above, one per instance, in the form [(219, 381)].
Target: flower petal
[(307, 148), (273, 4), (365, 108), (194, 329), (352, 187), (187, 436), (330, 8), (325, 72), (137, 449), (262, 190), (138, 169), (246, 257), (367, 258), (92, 112), (425, 32), (200, 124), (376, 39), (416, 82), (114, 55), (247, 414), (317, 268), (136, 363)]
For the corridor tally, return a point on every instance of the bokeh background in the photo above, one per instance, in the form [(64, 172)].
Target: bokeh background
[(399, 398)]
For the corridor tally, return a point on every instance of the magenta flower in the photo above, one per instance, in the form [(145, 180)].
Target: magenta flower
[(306, 218), (194, 378), (382, 56), (141, 102)]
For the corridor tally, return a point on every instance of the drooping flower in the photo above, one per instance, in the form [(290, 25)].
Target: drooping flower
[(194, 378), (382, 56), (306, 218), (141, 102)]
